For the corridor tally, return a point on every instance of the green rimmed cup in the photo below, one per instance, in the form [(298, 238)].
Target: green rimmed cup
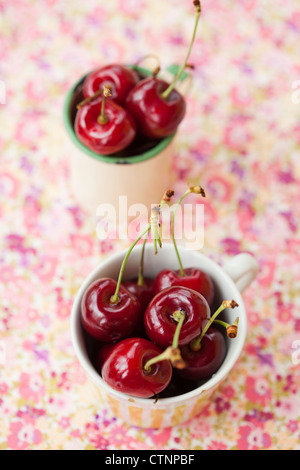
[(141, 173)]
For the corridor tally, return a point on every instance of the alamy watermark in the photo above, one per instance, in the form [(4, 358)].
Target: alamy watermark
[(129, 221)]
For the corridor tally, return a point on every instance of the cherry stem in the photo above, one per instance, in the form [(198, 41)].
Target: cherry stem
[(172, 353), (195, 344), (192, 189), (102, 118), (115, 298), (90, 98), (140, 281), (166, 198), (167, 92), (231, 330)]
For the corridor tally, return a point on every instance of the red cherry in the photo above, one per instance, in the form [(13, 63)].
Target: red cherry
[(116, 132), (202, 364), (194, 279), (102, 354), (104, 319), (124, 369), (156, 117), (144, 292), (119, 78), (160, 316)]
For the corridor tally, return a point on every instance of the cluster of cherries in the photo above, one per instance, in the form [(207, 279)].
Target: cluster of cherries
[(121, 107), (156, 337)]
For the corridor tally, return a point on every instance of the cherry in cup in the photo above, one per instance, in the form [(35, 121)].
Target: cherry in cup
[(118, 77), (157, 106), (103, 126), (204, 355)]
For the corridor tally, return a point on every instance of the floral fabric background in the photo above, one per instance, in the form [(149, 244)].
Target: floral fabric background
[(240, 140)]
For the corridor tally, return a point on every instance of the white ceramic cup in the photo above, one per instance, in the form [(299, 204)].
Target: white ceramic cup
[(229, 282)]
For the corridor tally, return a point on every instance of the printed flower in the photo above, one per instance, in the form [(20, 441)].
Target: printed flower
[(257, 390), (23, 434), (253, 437), (31, 387)]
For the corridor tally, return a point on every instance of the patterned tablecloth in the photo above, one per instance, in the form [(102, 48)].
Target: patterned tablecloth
[(240, 140)]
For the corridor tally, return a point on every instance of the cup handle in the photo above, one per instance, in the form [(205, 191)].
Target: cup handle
[(242, 269)]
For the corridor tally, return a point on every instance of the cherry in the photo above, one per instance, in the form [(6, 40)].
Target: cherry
[(119, 78), (144, 292), (126, 371), (192, 278), (104, 318), (104, 126), (102, 354), (205, 354), (204, 363), (155, 105), (162, 312)]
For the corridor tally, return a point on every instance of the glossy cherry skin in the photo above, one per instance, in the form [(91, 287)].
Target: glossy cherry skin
[(155, 116), (107, 321), (194, 279), (144, 293), (204, 363), (159, 323), (124, 369), (109, 138), (119, 78)]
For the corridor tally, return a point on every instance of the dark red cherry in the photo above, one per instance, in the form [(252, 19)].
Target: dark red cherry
[(155, 116), (119, 78), (101, 354), (144, 293), (202, 364), (124, 369), (115, 133), (194, 279), (105, 320), (160, 316)]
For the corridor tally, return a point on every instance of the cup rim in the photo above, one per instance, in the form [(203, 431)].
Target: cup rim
[(211, 383), (147, 155)]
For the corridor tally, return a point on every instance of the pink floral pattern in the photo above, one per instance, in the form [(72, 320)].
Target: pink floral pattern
[(240, 139)]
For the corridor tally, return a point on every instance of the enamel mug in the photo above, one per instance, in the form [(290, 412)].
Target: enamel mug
[(230, 281)]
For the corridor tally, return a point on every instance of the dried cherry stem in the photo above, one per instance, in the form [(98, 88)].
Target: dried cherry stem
[(167, 92), (89, 99), (231, 330), (195, 345), (154, 220), (192, 189), (115, 298), (172, 353), (102, 118)]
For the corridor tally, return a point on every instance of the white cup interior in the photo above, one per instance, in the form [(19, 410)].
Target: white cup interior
[(153, 264)]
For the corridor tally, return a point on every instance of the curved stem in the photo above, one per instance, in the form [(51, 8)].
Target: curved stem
[(195, 344), (166, 93), (172, 353), (115, 297), (173, 231)]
